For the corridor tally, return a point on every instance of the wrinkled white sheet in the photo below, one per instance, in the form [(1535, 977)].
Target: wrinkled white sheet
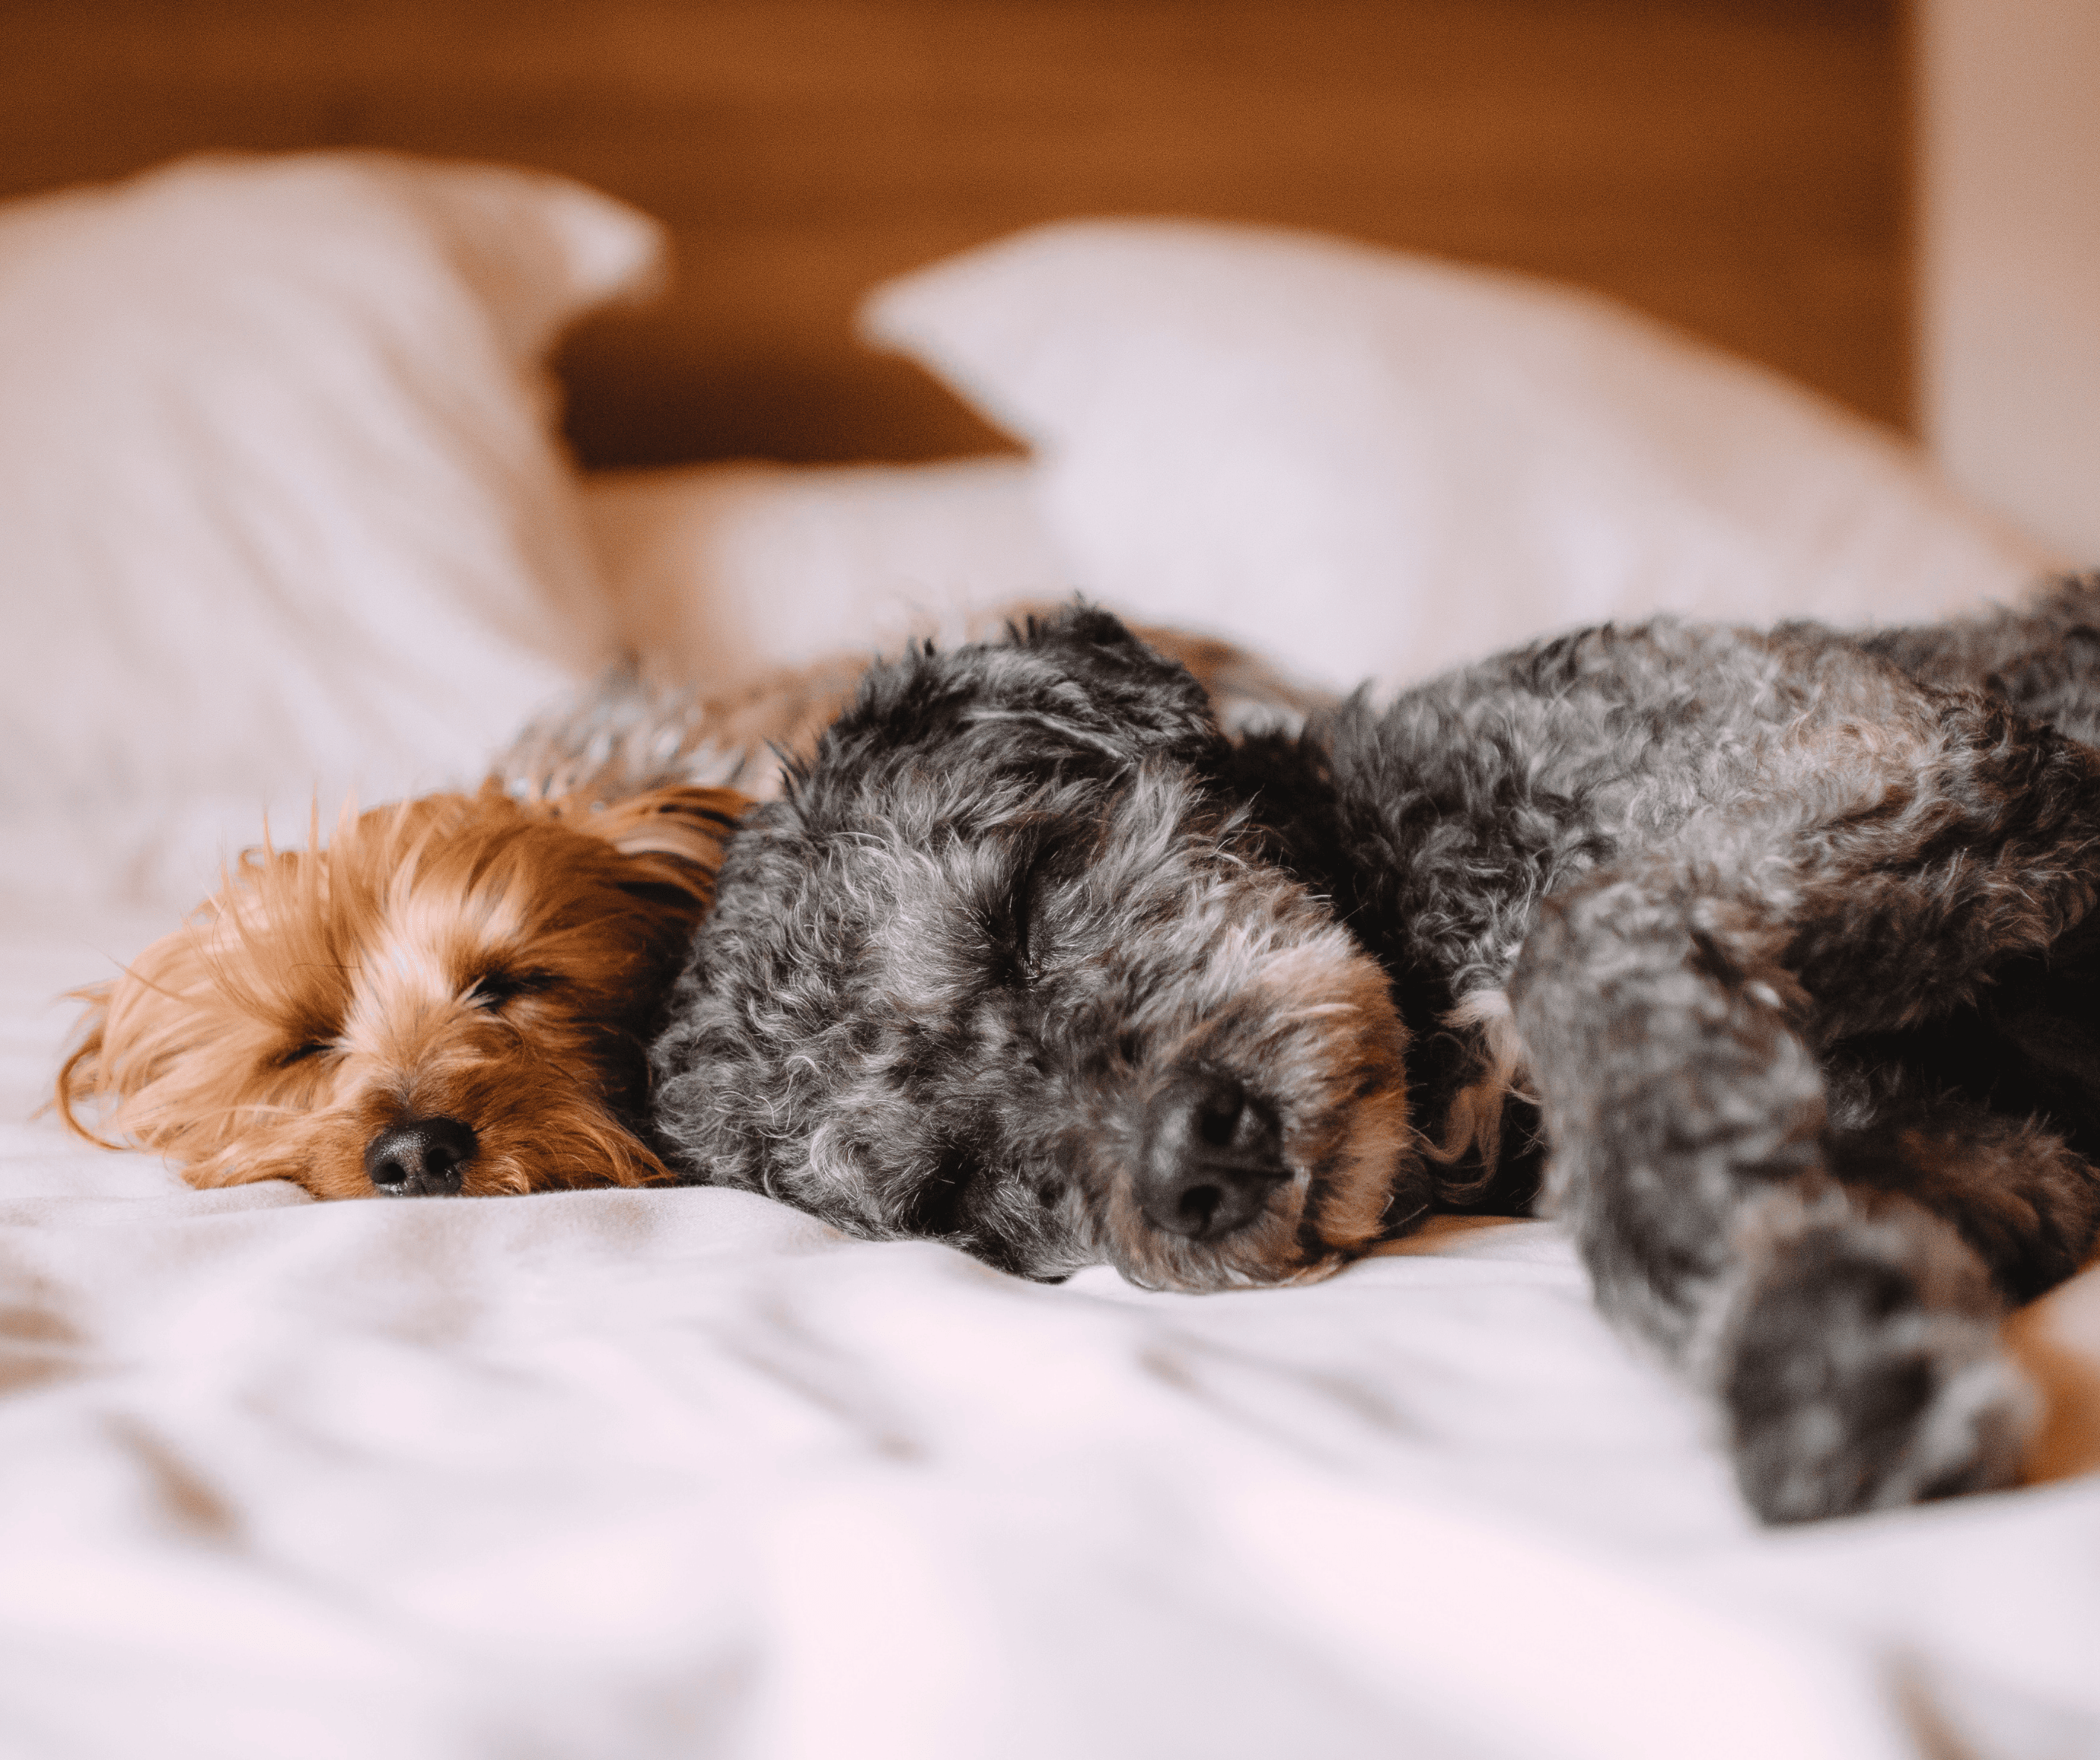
[(682, 1472)]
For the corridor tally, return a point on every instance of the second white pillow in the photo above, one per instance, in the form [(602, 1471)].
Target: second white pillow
[(1366, 463)]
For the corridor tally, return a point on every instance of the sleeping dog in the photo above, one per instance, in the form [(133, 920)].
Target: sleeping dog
[(1772, 955)]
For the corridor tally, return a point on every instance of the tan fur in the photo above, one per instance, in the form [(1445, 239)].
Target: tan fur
[(323, 995), (1356, 1049), (1474, 1120)]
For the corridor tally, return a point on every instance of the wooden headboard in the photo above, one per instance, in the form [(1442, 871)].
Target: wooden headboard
[(1740, 167)]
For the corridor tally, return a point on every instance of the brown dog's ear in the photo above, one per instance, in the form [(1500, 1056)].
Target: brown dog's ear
[(676, 835), (139, 1029), (690, 822), (81, 1077)]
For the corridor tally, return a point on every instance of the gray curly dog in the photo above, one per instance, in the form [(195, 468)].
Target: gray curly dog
[(1768, 961)]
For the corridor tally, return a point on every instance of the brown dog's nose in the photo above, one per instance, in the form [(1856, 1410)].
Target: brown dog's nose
[(420, 1158), (1212, 1155)]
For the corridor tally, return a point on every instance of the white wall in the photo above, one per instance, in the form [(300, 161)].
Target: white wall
[(2010, 256)]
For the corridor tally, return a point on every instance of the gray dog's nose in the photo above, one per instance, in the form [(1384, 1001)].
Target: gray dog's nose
[(1212, 1155), (420, 1158)]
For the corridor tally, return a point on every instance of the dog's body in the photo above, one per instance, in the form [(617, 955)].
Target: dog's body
[(1780, 947)]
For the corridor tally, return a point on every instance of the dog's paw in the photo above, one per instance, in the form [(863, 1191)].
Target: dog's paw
[(1864, 1373)]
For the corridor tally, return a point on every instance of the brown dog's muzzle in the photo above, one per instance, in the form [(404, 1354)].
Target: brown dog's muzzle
[(420, 1158)]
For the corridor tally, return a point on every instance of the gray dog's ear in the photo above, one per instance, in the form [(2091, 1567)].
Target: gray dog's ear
[(1067, 694), (1079, 682), (1098, 687), (1077, 627), (1097, 650)]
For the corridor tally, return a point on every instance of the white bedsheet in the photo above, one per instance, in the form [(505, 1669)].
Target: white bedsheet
[(682, 1472)]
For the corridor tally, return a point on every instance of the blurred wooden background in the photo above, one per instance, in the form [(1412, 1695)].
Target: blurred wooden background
[(1738, 167)]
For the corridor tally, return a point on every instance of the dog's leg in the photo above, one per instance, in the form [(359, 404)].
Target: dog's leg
[(1967, 918), (1856, 1358), (1849, 1331), (1674, 1086)]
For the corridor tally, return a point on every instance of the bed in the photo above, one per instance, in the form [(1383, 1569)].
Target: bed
[(292, 513)]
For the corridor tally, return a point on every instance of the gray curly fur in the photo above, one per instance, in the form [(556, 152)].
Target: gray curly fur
[(622, 736), (1772, 953)]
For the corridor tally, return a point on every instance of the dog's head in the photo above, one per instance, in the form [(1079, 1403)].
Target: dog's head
[(455, 995), (1003, 969)]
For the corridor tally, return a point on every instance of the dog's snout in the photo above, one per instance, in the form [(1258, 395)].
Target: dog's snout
[(420, 1158), (1212, 1155)]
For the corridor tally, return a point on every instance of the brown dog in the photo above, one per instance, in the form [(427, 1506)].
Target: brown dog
[(454, 995)]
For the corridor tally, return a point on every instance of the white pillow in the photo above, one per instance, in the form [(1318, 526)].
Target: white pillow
[(282, 513), (1368, 464), (719, 573)]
